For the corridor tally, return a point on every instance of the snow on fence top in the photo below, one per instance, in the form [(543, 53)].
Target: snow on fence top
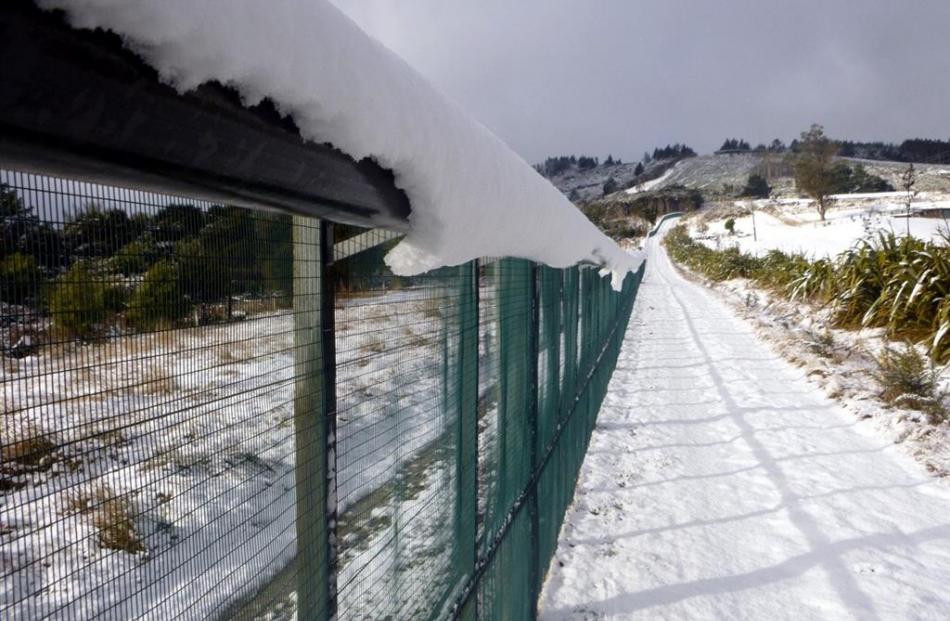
[(471, 195)]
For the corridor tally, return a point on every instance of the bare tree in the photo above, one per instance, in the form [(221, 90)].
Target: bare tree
[(812, 166), (908, 181)]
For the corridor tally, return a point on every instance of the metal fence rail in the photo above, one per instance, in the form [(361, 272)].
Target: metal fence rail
[(217, 412)]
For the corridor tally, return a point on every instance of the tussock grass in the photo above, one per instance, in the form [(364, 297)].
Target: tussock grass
[(901, 284), (821, 343)]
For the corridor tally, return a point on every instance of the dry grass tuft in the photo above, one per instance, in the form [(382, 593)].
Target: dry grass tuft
[(116, 526), (432, 308), (157, 381), (26, 450), (234, 352), (113, 517), (374, 344)]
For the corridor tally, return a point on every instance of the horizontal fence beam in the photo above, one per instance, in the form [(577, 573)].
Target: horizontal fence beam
[(364, 241), (77, 104)]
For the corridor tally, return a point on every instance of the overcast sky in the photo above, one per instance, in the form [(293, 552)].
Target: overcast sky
[(622, 76)]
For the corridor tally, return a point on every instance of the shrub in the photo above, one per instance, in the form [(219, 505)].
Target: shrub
[(115, 297), (135, 257), (901, 284), (756, 187), (19, 278), (159, 298), (731, 226), (77, 302), (909, 379)]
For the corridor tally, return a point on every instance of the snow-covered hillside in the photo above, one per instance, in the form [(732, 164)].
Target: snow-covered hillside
[(930, 177), (727, 173), (714, 174), (588, 184)]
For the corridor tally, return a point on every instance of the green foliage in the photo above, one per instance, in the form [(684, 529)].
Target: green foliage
[(135, 257), (176, 222), (812, 165), (77, 302), (847, 180), (19, 278), (115, 296), (159, 298), (731, 226), (676, 151), (913, 150), (97, 232), (756, 187), (585, 162), (22, 232), (901, 284), (910, 380), (735, 144), (610, 186), (616, 221)]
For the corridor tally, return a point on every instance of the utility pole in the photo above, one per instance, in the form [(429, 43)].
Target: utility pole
[(908, 180), (755, 235)]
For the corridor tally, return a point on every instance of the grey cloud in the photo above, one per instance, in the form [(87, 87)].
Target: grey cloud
[(552, 76)]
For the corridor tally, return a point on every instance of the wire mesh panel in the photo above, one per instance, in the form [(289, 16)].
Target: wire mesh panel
[(148, 439), (221, 413), (405, 422), (506, 440)]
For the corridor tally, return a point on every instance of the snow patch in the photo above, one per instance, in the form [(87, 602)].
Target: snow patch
[(794, 227), (646, 186)]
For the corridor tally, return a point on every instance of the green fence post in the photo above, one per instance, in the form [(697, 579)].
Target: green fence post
[(314, 595), (328, 346), (532, 414), (467, 436)]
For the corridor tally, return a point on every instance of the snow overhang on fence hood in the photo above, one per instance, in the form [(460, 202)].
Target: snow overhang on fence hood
[(471, 195)]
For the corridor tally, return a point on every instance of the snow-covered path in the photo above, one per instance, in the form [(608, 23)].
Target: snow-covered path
[(720, 484)]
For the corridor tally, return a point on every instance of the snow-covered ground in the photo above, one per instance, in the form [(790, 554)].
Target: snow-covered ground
[(721, 483), (189, 434), (793, 225)]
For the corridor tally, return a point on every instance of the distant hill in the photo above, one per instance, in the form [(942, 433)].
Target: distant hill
[(589, 183), (717, 176), (724, 175)]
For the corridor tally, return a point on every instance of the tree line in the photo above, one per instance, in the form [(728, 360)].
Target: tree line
[(675, 151), (141, 268), (560, 163), (921, 150)]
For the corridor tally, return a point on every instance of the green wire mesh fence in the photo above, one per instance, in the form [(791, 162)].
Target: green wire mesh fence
[(220, 413)]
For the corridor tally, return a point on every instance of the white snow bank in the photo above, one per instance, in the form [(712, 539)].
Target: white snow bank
[(471, 195), (802, 232)]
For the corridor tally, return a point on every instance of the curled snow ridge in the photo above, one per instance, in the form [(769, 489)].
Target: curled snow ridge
[(471, 195)]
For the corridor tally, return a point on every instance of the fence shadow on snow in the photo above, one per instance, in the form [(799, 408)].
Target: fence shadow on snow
[(216, 412)]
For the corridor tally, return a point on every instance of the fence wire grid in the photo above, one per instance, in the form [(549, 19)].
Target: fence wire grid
[(212, 412)]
